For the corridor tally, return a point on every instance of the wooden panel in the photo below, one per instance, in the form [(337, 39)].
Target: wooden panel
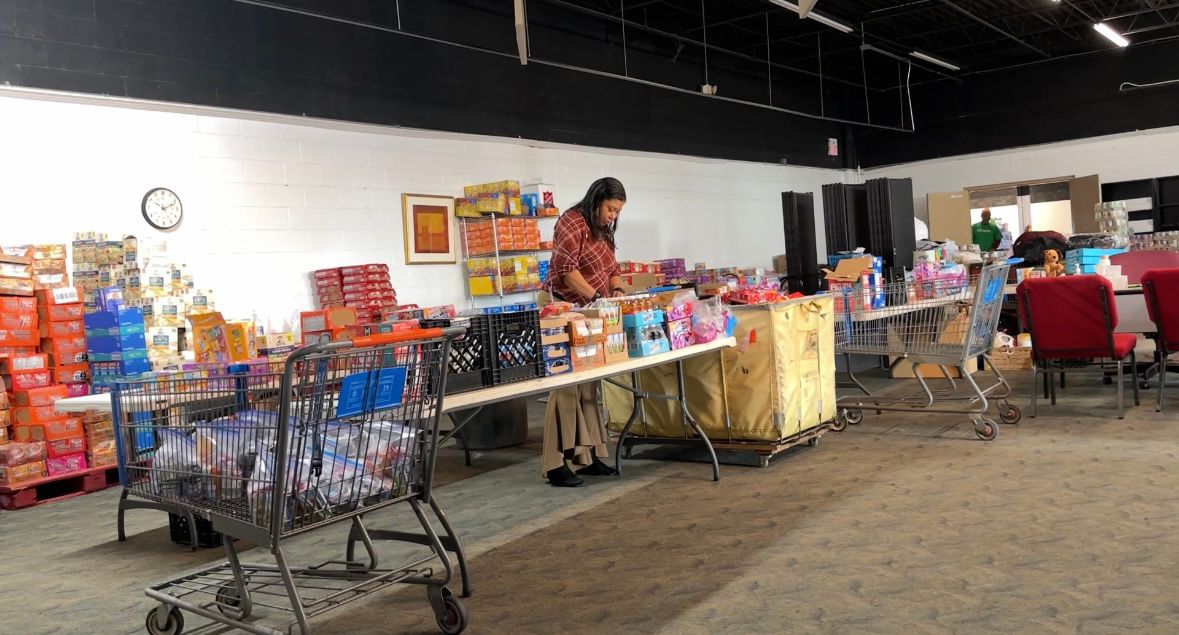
[(1084, 193), (949, 216)]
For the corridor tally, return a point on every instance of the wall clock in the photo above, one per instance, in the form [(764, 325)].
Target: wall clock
[(162, 208)]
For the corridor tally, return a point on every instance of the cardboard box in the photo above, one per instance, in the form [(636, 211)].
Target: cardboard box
[(46, 396), (61, 312), (62, 295), (587, 331), (849, 270), (30, 415), (587, 357), (27, 380), (66, 464), (71, 374), (67, 347), (69, 328), (554, 330), (15, 475), (1011, 359), (781, 264), (23, 363), (49, 431), (18, 321), (17, 305), (63, 447), (639, 282), (21, 452), (615, 345), (646, 341), (551, 352), (19, 337)]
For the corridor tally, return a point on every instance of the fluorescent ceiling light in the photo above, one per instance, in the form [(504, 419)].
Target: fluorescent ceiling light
[(1111, 35), (933, 60), (817, 17)]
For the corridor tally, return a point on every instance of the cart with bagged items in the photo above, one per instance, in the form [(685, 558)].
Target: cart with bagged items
[(945, 322), (335, 432)]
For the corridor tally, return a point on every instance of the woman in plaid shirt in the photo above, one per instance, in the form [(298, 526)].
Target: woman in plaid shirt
[(583, 269)]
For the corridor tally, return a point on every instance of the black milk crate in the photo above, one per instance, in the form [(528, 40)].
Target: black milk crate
[(181, 533), (515, 347), (470, 365)]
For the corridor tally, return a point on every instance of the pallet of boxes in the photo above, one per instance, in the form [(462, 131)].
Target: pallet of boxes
[(43, 358)]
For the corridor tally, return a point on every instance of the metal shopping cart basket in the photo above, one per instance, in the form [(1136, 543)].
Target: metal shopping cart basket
[(337, 431), (945, 322)]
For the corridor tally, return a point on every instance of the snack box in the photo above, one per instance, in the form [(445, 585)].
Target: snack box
[(19, 337), (27, 380), (62, 295), (559, 366), (30, 415), (69, 328), (61, 312), (15, 475), (679, 334), (587, 331), (62, 447), (587, 357), (20, 453), (645, 341), (17, 286), (66, 464), (18, 321), (50, 431), (77, 390), (66, 347), (23, 363), (551, 352), (616, 347), (610, 315), (45, 396), (130, 316), (71, 373), (17, 305), (554, 330), (641, 319)]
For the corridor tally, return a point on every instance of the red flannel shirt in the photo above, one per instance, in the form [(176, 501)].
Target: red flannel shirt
[(574, 249)]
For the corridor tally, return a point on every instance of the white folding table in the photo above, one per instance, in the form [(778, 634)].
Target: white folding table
[(477, 399)]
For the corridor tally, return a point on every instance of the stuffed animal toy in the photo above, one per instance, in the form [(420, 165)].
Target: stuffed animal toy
[(1052, 265)]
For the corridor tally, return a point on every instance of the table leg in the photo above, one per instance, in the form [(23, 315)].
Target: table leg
[(634, 415), (691, 421)]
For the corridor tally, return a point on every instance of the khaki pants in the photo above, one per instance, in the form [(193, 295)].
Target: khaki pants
[(573, 423)]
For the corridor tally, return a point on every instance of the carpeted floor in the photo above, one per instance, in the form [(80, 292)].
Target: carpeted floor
[(904, 524)]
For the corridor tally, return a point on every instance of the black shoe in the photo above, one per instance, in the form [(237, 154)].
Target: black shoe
[(563, 477), (598, 468)]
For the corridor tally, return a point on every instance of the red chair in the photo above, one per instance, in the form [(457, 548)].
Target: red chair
[(1073, 318), (1160, 287)]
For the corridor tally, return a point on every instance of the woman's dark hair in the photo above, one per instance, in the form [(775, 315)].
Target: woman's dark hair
[(601, 190)]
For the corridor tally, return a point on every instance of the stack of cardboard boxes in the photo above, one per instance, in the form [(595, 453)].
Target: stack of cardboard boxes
[(100, 439), (367, 289), (16, 272), (63, 338), (117, 346), (554, 343)]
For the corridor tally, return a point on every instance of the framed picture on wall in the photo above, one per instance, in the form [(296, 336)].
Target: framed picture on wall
[(430, 236)]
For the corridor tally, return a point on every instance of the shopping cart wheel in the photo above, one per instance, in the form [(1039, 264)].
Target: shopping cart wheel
[(450, 611), (854, 416), (174, 625), (229, 601), (1009, 413), (986, 429)]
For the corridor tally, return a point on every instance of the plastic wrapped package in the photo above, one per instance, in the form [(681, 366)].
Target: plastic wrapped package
[(176, 468), (389, 444), (709, 319), (12, 454)]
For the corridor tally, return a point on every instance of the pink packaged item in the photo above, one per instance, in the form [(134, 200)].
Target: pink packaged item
[(679, 334), (21, 453), (78, 390), (66, 464)]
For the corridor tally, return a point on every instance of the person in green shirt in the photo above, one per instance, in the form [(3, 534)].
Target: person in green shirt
[(986, 234)]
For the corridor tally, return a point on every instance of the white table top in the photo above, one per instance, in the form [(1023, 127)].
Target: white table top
[(507, 392), (485, 396)]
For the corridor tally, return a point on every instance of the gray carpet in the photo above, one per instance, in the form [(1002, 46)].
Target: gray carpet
[(904, 524)]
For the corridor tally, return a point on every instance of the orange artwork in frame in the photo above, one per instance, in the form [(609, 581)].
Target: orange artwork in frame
[(429, 225)]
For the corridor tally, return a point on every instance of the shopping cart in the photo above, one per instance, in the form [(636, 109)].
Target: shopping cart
[(338, 431), (945, 322)]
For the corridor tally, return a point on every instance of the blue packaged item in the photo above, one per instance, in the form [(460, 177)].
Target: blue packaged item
[(653, 317), (134, 366)]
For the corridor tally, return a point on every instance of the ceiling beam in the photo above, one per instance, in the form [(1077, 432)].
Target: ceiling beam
[(951, 4)]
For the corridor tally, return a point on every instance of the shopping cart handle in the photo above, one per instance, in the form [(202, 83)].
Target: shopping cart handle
[(380, 339)]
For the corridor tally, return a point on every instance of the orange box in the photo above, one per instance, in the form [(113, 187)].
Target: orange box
[(17, 351), (67, 445), (29, 415), (46, 396), (64, 347), (19, 337), (23, 363), (63, 295), (71, 328), (10, 304), (313, 321), (50, 431), (61, 312), (71, 373), (17, 474), (27, 380), (18, 321), (340, 317)]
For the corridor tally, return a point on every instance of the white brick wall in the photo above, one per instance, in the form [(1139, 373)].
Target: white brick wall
[(1124, 157), (267, 200)]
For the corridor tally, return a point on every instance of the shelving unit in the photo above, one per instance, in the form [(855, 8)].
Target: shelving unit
[(1163, 193), (504, 297)]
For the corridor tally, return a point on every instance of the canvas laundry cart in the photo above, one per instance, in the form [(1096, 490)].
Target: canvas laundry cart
[(774, 390)]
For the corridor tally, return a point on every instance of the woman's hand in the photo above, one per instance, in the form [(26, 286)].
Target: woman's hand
[(618, 293)]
